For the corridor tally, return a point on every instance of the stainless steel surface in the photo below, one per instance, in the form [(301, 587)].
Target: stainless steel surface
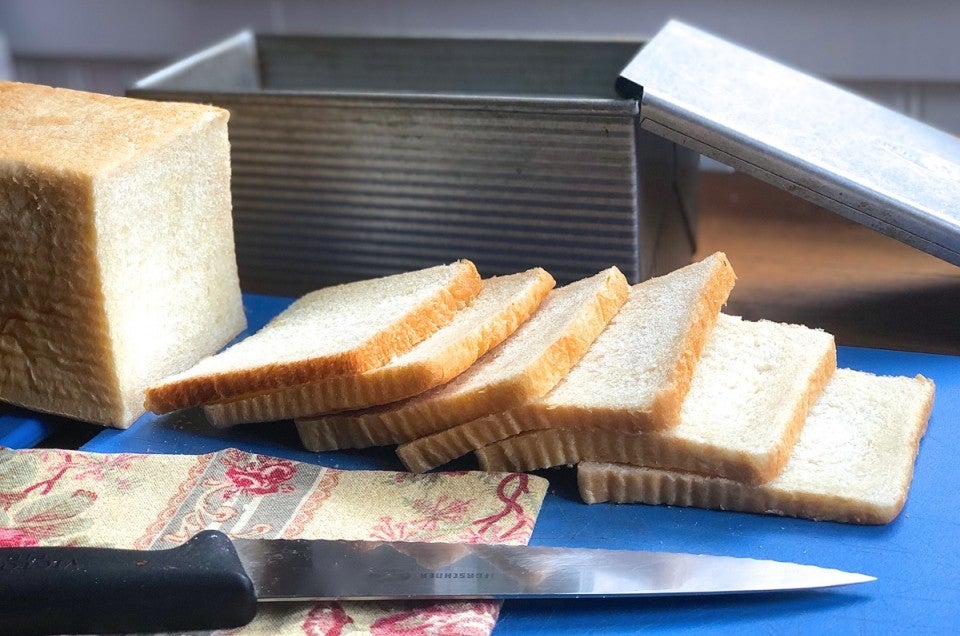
[(285, 570), (360, 157), (842, 152)]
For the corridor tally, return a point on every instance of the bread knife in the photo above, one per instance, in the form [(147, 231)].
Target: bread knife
[(213, 582)]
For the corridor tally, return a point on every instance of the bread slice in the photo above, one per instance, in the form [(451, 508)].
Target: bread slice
[(632, 378), (117, 262), (751, 392), (853, 462), (342, 329), (502, 306), (525, 366)]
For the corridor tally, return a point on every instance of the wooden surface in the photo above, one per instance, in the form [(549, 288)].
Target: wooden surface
[(796, 262)]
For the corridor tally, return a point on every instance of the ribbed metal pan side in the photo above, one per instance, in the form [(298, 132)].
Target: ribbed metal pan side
[(324, 193)]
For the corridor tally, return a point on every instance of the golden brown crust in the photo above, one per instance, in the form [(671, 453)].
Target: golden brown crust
[(926, 407), (388, 383), (379, 427), (321, 438), (545, 371), (664, 411), (922, 418), (104, 130), (688, 451), (427, 453), (419, 323), (532, 451)]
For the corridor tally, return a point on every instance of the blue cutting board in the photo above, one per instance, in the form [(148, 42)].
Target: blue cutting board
[(20, 428), (916, 558)]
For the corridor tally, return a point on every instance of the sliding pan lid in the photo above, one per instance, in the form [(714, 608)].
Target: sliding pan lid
[(840, 151)]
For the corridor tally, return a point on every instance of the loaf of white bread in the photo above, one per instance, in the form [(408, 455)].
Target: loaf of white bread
[(117, 264)]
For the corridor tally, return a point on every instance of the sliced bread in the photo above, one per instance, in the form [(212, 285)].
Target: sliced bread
[(633, 378), (525, 366), (502, 306), (347, 328), (853, 462), (750, 394)]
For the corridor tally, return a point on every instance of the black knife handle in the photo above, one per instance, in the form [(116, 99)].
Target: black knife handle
[(198, 585)]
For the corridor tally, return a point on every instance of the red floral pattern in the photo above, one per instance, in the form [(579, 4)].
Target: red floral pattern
[(436, 515), (448, 619), (262, 476), (236, 484), (489, 530), (327, 619), (34, 507), (13, 538)]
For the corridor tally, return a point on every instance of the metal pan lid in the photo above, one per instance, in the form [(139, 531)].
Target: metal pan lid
[(842, 152)]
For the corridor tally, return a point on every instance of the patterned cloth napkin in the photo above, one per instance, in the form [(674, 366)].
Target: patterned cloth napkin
[(57, 497)]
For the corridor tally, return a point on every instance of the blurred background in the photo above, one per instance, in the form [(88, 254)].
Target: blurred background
[(904, 54)]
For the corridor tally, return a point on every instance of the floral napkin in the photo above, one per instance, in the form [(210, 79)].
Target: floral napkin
[(57, 497)]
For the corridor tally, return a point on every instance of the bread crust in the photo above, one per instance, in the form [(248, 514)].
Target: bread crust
[(416, 324), (421, 417), (105, 131), (391, 382)]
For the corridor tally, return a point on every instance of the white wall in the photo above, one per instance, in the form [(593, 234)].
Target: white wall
[(906, 54)]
